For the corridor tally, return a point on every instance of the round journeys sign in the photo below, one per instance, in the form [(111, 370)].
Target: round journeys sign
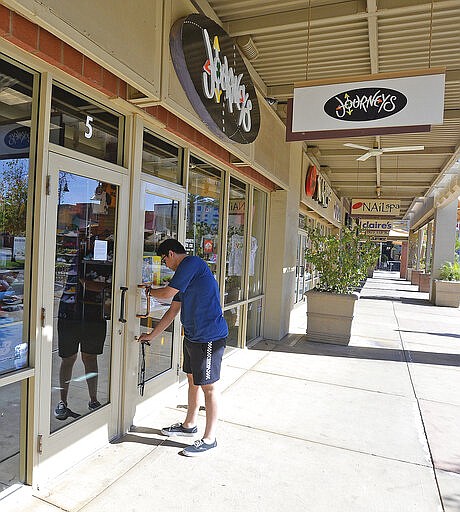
[(215, 78)]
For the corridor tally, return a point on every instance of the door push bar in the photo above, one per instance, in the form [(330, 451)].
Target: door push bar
[(146, 287), (122, 318)]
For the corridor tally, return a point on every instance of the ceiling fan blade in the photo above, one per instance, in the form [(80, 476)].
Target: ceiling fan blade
[(404, 148), (364, 157), (356, 146)]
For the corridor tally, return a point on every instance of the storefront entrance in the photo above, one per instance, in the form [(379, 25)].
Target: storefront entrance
[(84, 267)]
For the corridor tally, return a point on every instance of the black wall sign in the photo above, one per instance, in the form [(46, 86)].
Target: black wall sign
[(367, 104), (215, 78)]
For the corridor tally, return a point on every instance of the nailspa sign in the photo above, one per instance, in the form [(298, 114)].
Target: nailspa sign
[(215, 78), (367, 105), (380, 207)]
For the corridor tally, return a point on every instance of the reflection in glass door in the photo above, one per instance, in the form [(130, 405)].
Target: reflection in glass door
[(161, 218), (83, 270)]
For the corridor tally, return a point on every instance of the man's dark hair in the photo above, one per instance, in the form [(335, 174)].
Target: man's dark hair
[(170, 245)]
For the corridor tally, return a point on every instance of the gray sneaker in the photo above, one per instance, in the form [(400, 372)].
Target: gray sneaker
[(61, 412), (198, 448), (179, 430)]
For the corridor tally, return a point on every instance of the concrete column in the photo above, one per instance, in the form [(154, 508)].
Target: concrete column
[(445, 221), (429, 231), (282, 247), (419, 248), (404, 259)]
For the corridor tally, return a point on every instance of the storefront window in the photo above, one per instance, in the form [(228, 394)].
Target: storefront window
[(254, 320), (233, 318), (161, 159), (17, 129), (235, 242), (10, 427), (84, 126), (203, 212), (15, 121), (257, 248)]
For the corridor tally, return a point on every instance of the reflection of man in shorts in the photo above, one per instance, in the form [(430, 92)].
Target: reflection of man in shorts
[(195, 294), (89, 335)]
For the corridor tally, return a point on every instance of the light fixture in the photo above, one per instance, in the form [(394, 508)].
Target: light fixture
[(248, 47)]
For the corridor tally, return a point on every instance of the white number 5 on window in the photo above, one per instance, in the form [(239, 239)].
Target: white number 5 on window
[(89, 132)]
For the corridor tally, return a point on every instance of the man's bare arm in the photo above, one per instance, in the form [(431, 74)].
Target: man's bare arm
[(164, 323)]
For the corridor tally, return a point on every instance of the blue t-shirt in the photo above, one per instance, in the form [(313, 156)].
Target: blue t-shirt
[(201, 313)]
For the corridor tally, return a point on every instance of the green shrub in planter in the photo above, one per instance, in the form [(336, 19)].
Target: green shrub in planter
[(342, 260), (450, 271)]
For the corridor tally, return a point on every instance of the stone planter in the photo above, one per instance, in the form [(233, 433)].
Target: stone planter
[(447, 293), (424, 283), (329, 316), (415, 277)]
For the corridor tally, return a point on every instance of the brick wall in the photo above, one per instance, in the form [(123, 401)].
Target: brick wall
[(46, 46)]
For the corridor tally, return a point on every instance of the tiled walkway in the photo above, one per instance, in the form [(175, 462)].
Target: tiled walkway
[(372, 427)]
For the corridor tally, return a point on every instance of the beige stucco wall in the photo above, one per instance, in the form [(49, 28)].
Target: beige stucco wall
[(124, 38), (282, 245), (132, 41)]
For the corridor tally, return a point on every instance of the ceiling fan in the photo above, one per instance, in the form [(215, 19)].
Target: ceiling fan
[(379, 151)]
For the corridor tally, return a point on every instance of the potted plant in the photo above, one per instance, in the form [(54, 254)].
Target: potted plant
[(342, 262), (447, 288)]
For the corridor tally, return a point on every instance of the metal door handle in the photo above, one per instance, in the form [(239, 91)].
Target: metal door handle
[(122, 318), (146, 287)]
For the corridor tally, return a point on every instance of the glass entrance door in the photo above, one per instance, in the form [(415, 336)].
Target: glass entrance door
[(162, 212), (84, 267)]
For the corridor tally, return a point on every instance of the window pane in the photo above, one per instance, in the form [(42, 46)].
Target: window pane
[(235, 242), (161, 159), (15, 121), (79, 124), (254, 320), (233, 318), (161, 219), (203, 212), (257, 249), (10, 425), (82, 329)]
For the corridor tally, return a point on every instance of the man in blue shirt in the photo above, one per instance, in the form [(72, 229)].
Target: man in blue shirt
[(195, 294)]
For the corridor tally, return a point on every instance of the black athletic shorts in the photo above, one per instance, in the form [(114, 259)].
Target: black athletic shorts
[(203, 360), (88, 335)]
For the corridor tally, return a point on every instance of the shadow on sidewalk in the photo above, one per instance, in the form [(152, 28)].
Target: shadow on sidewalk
[(373, 353), (152, 441), (447, 334), (403, 300)]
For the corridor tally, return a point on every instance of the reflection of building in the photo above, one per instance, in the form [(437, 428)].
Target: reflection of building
[(206, 213)]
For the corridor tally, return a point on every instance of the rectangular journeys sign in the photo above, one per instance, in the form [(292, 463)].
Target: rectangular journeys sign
[(376, 104), (376, 207)]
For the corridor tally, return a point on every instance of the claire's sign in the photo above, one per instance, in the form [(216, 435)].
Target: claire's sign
[(376, 207), (215, 78), (377, 225)]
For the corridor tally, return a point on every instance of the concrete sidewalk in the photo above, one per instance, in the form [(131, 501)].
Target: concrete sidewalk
[(372, 427)]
